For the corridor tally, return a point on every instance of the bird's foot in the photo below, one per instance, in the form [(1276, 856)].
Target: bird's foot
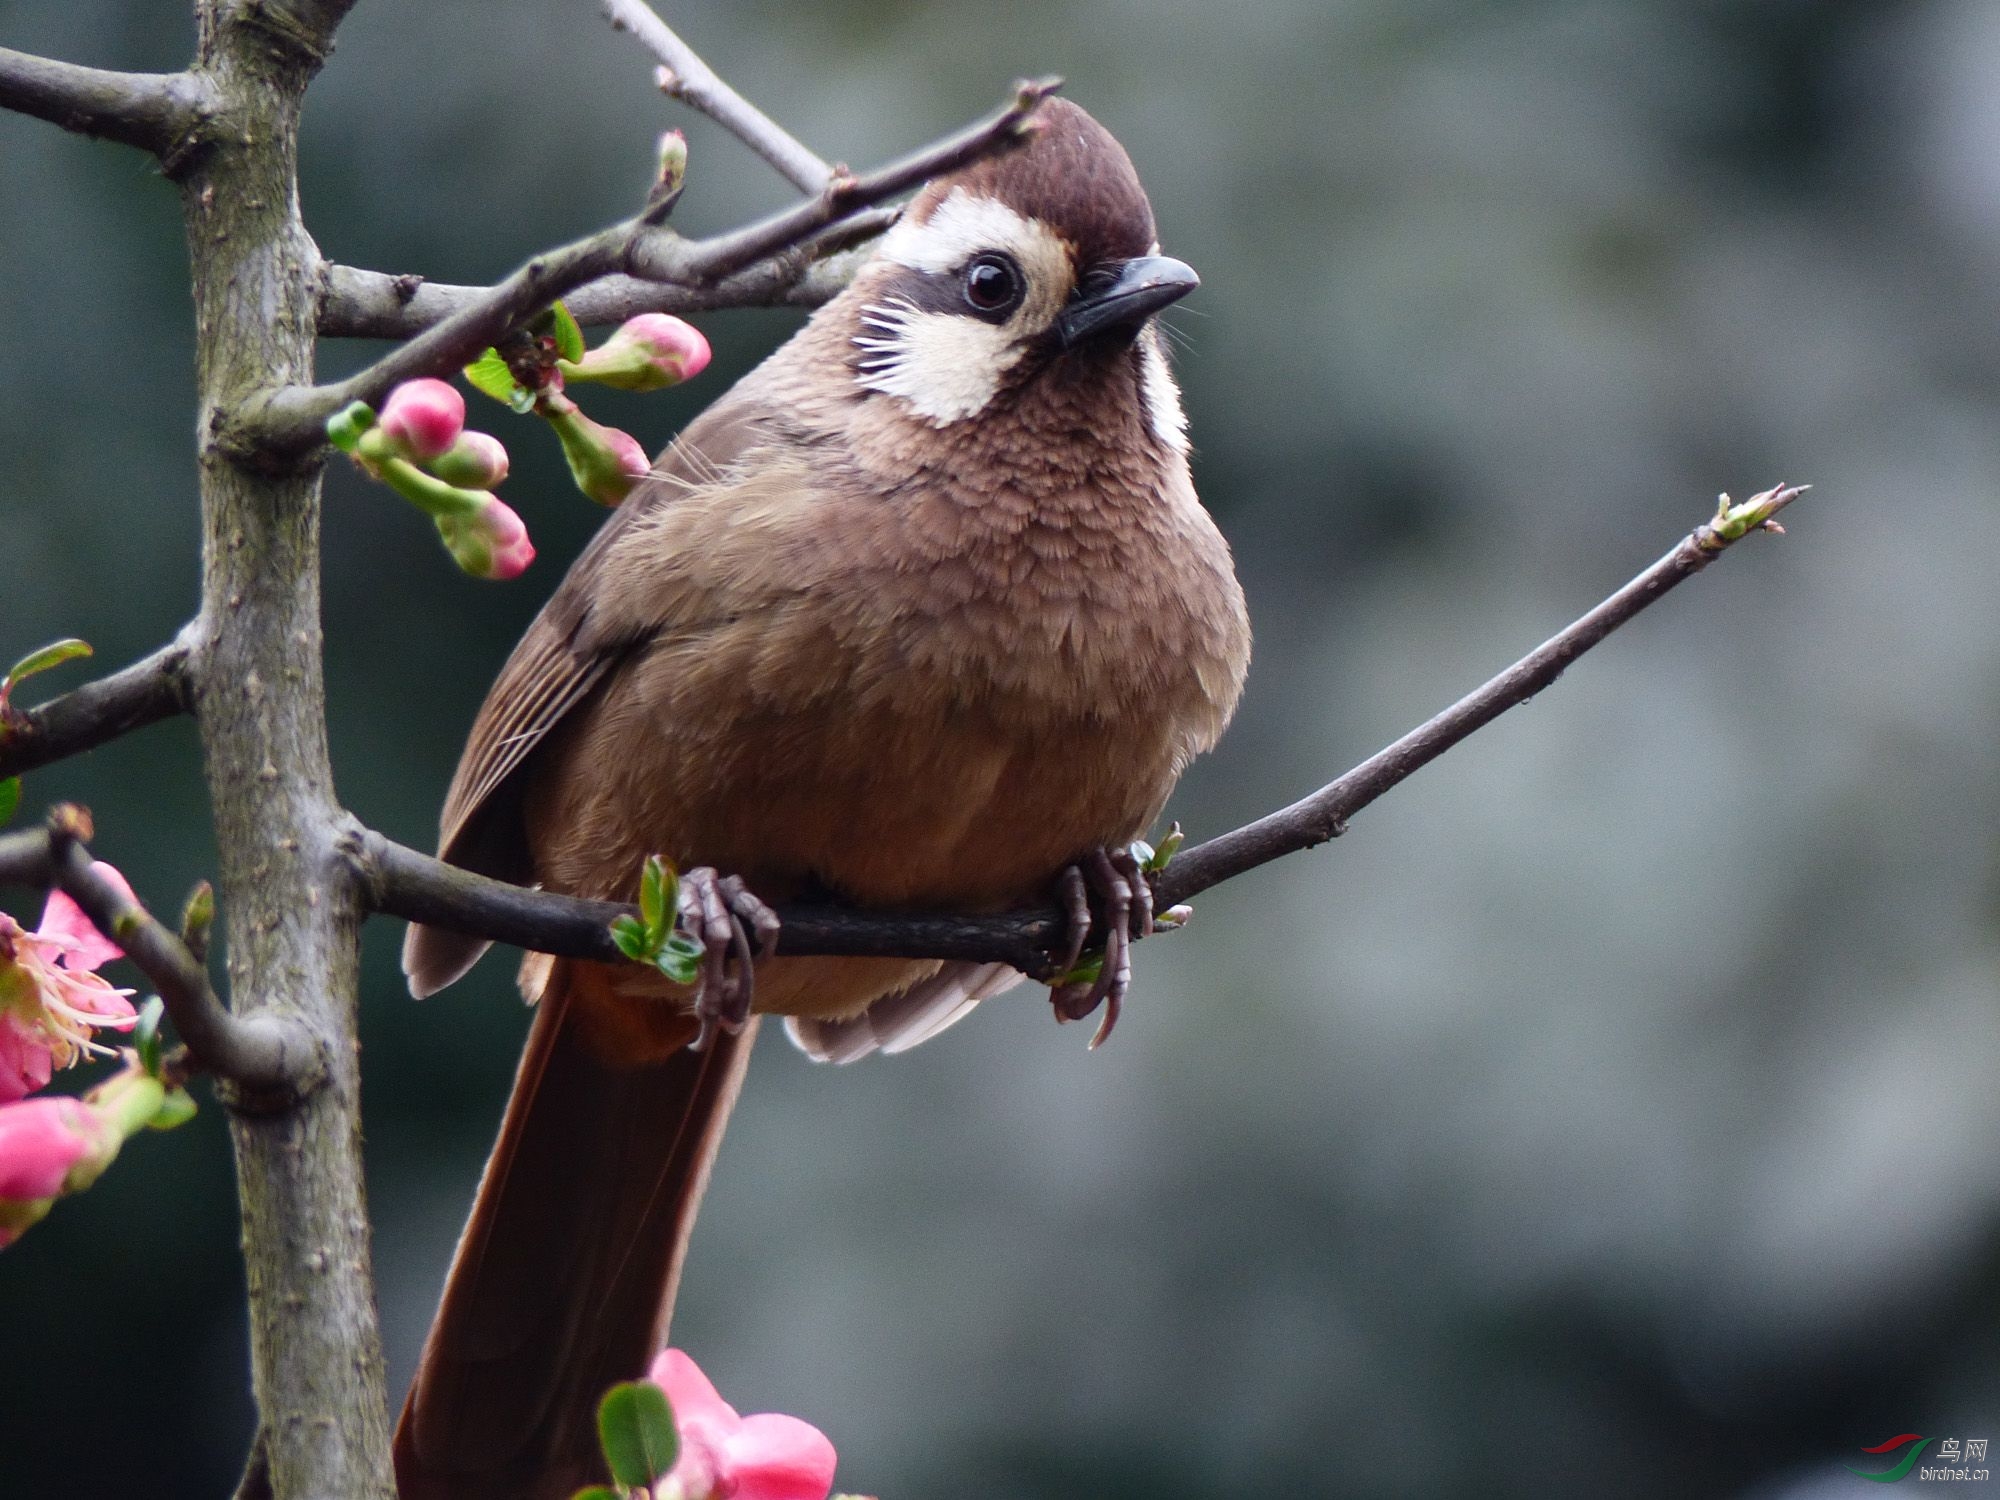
[(720, 913), (1116, 878)]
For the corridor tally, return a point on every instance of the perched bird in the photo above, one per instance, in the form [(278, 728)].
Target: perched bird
[(923, 613)]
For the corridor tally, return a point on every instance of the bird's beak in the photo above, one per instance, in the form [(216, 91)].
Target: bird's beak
[(1141, 288)]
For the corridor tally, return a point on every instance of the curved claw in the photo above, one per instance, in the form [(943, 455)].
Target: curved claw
[(719, 912), (1125, 895)]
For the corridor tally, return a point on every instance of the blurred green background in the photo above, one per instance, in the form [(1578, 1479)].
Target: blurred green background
[(1615, 1111)]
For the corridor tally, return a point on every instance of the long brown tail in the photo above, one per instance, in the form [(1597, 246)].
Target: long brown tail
[(566, 1273)]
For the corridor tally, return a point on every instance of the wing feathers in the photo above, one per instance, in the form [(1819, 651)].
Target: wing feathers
[(566, 654)]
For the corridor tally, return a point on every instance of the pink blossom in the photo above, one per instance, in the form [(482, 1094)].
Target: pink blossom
[(727, 1457), (423, 418), (41, 1141), (488, 542), (50, 998)]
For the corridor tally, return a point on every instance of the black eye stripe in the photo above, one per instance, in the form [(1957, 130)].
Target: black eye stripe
[(943, 292)]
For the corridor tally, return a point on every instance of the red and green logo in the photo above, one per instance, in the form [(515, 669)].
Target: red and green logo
[(1902, 1465)]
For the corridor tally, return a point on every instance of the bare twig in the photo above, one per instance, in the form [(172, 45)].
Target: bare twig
[(269, 1058), (665, 257), (158, 112), (151, 689), (1322, 816), (400, 882), (291, 422), (375, 305), (684, 76)]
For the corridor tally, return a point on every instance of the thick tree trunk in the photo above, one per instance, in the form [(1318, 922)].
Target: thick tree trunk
[(292, 910)]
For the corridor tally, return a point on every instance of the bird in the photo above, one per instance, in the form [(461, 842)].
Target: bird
[(923, 613)]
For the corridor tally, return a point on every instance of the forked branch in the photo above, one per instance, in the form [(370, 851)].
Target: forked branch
[(684, 76), (290, 423), (375, 305), (270, 1058)]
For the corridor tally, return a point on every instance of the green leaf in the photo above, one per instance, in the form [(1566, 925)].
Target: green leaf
[(146, 1036), (1085, 972), (653, 895), (629, 933), (490, 376), (10, 799), (176, 1109), (52, 655), (563, 328), (597, 1492), (679, 959), (635, 1427), (1156, 860)]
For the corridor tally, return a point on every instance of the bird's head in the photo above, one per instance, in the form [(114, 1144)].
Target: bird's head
[(1036, 268)]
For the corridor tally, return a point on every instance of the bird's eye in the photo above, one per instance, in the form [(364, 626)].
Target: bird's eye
[(993, 285)]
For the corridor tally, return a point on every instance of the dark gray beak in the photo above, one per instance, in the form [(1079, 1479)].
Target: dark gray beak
[(1141, 288)]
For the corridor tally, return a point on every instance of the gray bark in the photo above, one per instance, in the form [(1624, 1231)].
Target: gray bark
[(292, 911)]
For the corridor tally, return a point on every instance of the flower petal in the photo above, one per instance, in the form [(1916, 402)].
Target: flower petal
[(63, 922), (691, 1394), (775, 1457), (25, 1059)]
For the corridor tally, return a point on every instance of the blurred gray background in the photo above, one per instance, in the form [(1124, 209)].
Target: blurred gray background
[(1614, 1111)]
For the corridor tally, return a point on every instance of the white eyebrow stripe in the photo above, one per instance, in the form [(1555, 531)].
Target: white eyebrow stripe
[(958, 229)]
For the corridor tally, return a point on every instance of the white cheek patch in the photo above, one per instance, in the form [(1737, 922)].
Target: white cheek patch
[(1161, 395), (944, 366)]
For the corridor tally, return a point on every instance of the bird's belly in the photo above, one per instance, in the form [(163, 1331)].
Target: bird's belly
[(915, 800), (962, 809)]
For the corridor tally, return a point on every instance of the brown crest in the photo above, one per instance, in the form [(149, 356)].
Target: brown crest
[(1074, 177)]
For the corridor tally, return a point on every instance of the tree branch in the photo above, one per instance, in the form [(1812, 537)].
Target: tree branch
[(1322, 816), (684, 76), (290, 422), (158, 112), (151, 689), (375, 305), (661, 255), (271, 1059), (400, 882)]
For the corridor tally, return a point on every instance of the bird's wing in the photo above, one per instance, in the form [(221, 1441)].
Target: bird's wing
[(564, 655)]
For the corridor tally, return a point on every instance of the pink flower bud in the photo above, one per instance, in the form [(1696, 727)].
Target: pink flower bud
[(647, 353), (41, 1141), (762, 1457), (423, 418), (678, 348), (476, 461), (489, 542), (605, 462)]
